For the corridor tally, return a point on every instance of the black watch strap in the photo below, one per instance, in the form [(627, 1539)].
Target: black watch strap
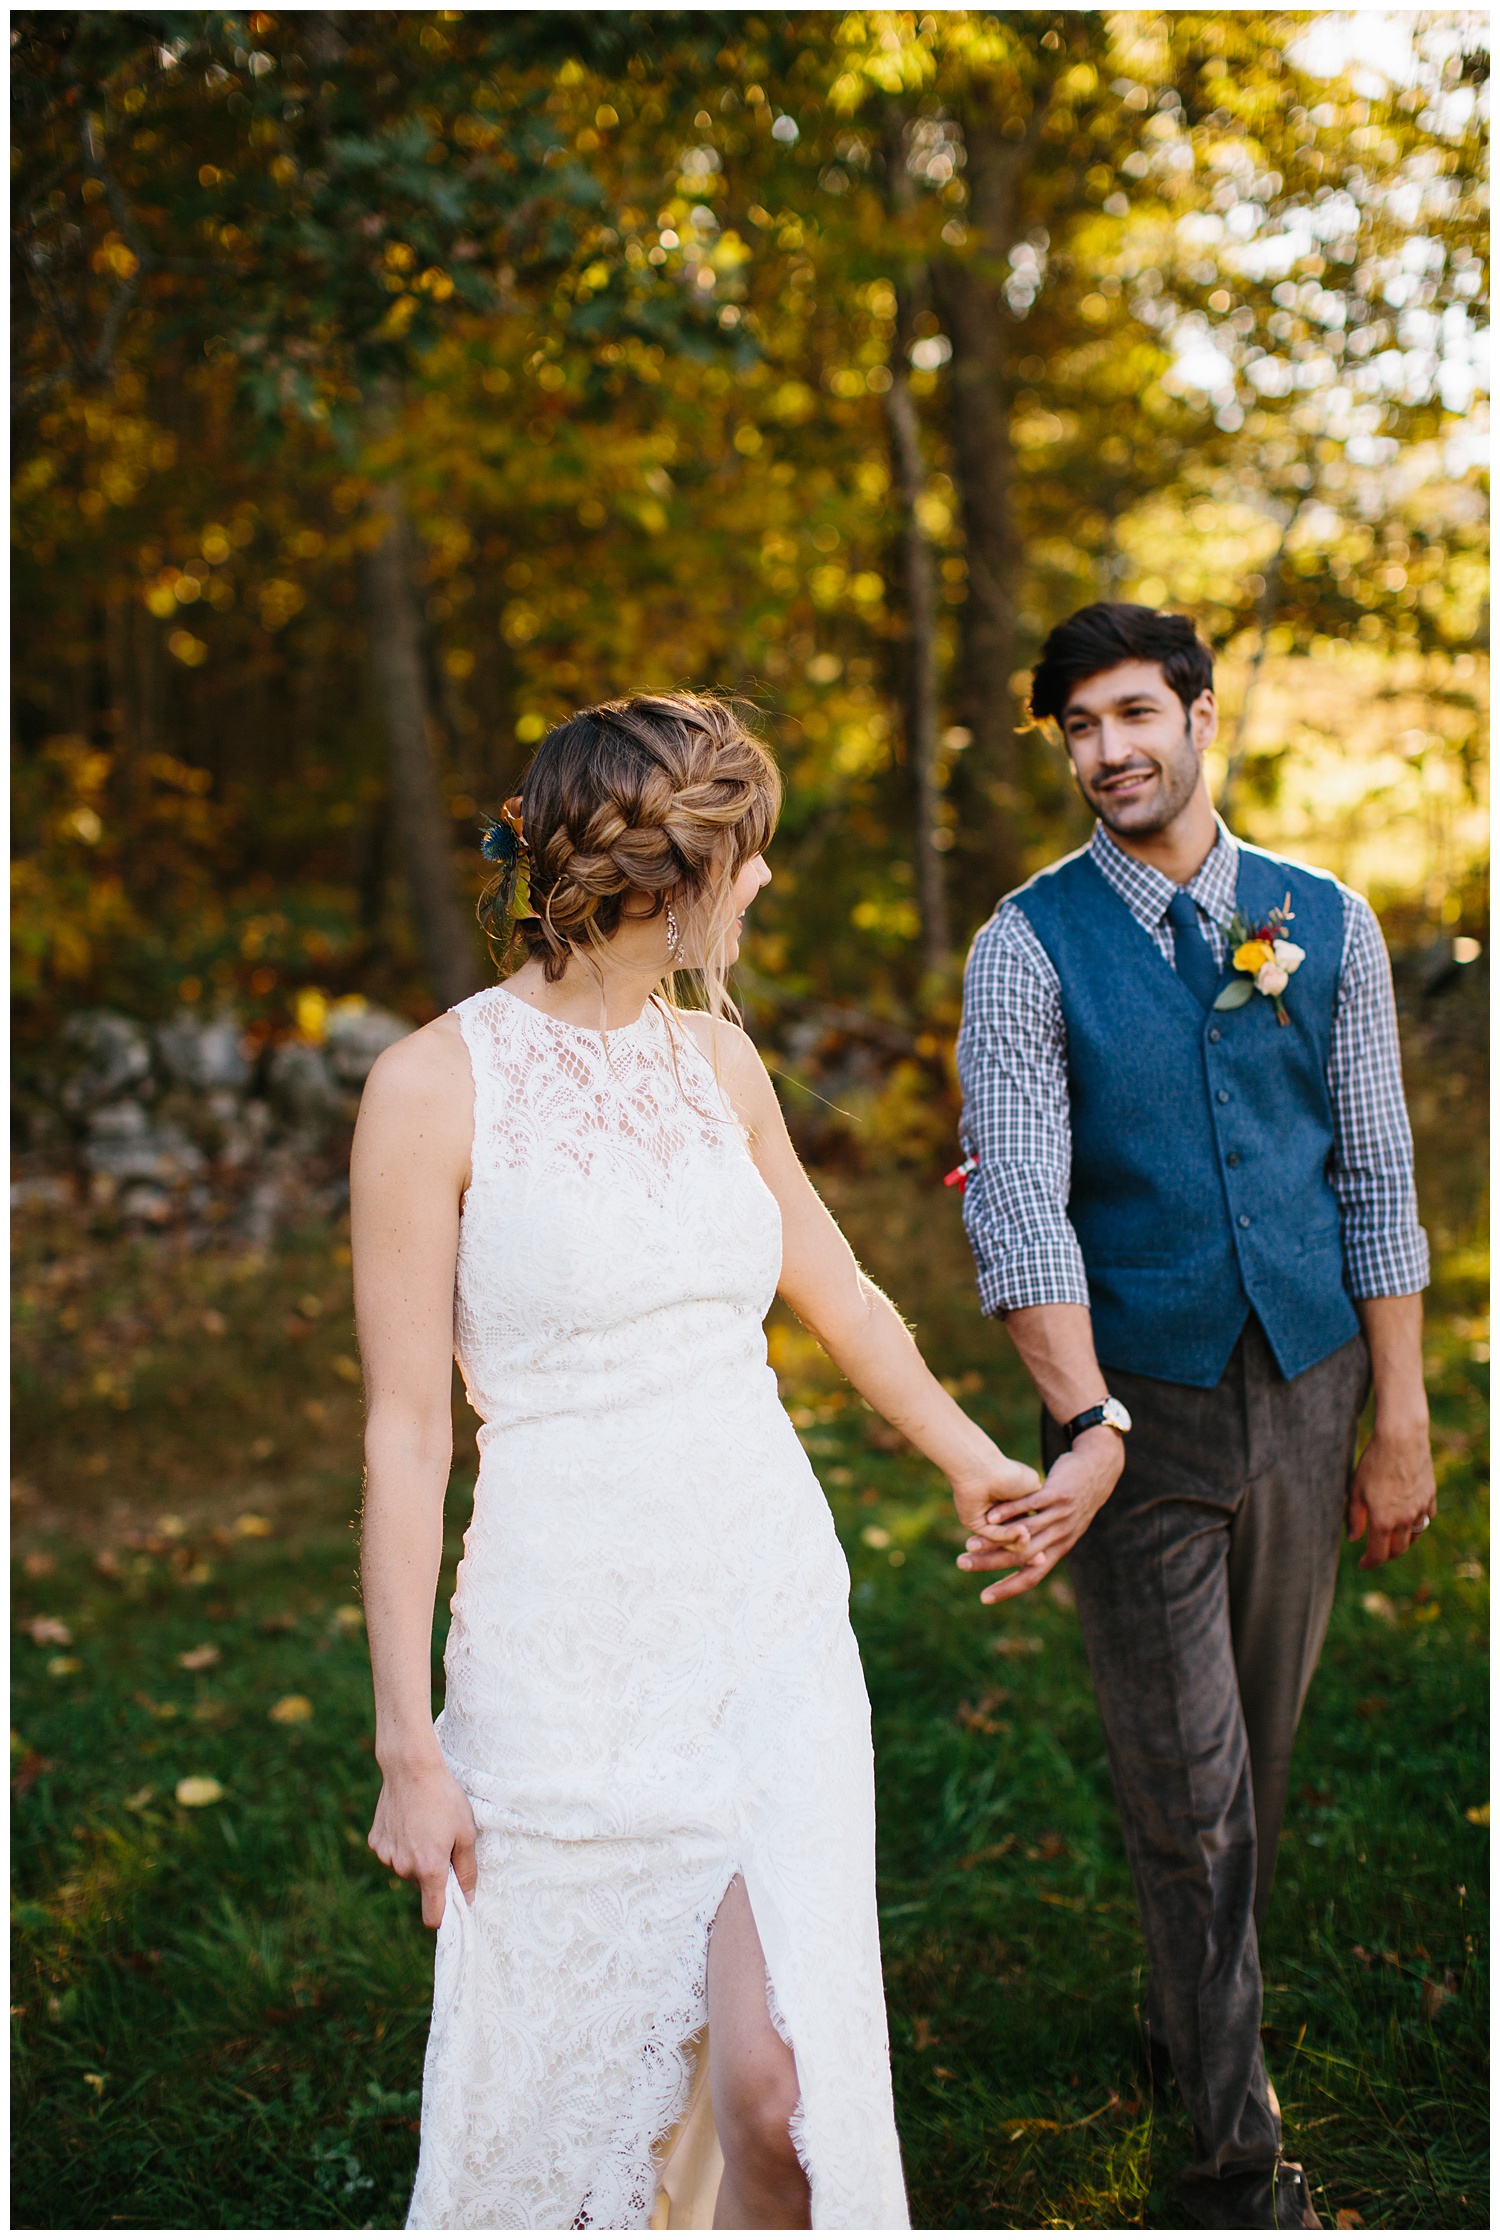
[(1110, 1411)]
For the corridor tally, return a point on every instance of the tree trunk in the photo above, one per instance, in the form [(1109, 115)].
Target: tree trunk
[(919, 572), (921, 664), (971, 303), (449, 945)]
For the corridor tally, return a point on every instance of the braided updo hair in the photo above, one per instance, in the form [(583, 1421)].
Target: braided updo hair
[(662, 794)]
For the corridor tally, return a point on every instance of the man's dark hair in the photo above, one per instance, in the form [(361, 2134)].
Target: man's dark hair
[(1109, 632)]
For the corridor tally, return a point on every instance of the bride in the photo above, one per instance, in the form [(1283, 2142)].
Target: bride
[(648, 1804)]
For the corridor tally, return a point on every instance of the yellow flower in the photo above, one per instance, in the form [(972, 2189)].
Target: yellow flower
[(1251, 955)]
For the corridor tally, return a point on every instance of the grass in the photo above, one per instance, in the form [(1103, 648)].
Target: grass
[(219, 2010)]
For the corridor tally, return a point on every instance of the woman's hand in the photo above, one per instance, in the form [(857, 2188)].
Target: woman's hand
[(1056, 1516), (978, 1489), (423, 1823)]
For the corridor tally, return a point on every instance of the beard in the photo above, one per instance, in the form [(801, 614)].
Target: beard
[(1177, 774)]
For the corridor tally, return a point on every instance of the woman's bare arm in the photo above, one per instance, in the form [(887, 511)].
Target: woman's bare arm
[(852, 1319), (406, 1180)]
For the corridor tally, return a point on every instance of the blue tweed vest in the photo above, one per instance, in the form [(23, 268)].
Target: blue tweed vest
[(1201, 1140)]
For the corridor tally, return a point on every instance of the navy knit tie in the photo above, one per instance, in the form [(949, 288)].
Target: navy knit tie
[(1195, 960)]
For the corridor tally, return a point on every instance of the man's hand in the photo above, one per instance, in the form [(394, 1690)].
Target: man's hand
[(423, 1825), (1394, 1494), (1056, 1516)]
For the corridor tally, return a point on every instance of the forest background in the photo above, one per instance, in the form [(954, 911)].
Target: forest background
[(387, 384)]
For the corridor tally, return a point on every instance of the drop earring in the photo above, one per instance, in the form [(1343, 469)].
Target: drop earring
[(674, 935)]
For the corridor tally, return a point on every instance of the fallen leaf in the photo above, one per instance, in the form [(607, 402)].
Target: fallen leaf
[(1377, 1605), (349, 1614), (349, 1369), (199, 1789), (49, 1633), (138, 1799), (199, 1660), (60, 1667), (923, 2037), (1435, 1995), (252, 1527), (28, 1771), (1479, 1814), (1348, 2220), (290, 1711), (976, 1716), (39, 1564), (1361, 1955)]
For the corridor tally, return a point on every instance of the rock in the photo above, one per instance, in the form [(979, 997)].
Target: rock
[(203, 1053), (31, 1193), (303, 1086), (123, 1144), (355, 1034), (103, 1054), (245, 1128)]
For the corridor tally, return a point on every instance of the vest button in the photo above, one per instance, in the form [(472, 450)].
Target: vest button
[(1213, 1034), (1233, 1160), (1244, 1220), (1223, 1096)]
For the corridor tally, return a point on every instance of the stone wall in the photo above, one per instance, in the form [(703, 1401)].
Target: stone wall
[(193, 1121)]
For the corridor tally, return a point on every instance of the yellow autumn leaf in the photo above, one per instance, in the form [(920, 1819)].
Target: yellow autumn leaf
[(291, 1711), (199, 1789), (1479, 1814)]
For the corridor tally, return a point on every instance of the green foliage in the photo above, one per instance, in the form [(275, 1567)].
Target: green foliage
[(615, 298)]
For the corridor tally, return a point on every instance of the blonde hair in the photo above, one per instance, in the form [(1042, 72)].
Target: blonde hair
[(665, 794)]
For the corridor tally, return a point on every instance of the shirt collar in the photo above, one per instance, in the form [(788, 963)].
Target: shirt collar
[(1146, 892)]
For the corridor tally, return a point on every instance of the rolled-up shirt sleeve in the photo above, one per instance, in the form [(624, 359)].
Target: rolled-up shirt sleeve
[(1385, 1247), (1012, 1066)]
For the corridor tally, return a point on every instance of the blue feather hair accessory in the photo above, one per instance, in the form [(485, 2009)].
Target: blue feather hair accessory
[(503, 843)]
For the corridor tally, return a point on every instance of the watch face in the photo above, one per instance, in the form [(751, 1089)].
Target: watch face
[(1116, 1415)]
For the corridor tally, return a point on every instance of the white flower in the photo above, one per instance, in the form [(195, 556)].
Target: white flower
[(1271, 979), (1288, 956)]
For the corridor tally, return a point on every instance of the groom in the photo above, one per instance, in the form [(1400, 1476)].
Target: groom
[(1193, 1205)]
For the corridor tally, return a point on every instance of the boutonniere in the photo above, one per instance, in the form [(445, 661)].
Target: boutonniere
[(1265, 955)]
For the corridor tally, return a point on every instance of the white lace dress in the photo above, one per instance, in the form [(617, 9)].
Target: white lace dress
[(651, 1679)]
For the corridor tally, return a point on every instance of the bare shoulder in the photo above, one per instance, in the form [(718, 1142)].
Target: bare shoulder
[(738, 1066), (420, 1093), (433, 1062)]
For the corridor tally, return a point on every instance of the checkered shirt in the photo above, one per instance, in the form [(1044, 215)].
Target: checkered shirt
[(1012, 1063)]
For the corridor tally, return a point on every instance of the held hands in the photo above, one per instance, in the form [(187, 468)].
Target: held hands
[(423, 1823), (1394, 1494), (982, 1486), (1052, 1517)]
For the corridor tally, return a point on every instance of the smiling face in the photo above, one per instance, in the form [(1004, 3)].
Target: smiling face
[(1137, 757)]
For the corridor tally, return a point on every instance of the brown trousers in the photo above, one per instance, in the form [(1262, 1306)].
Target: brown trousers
[(1204, 1587)]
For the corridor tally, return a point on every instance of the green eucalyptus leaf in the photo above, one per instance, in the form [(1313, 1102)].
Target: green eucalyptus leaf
[(1237, 992)]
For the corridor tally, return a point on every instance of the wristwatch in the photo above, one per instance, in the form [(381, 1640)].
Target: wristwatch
[(1109, 1410)]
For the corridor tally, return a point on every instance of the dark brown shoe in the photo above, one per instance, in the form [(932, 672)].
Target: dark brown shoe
[(1294, 2209), (1252, 2201)]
